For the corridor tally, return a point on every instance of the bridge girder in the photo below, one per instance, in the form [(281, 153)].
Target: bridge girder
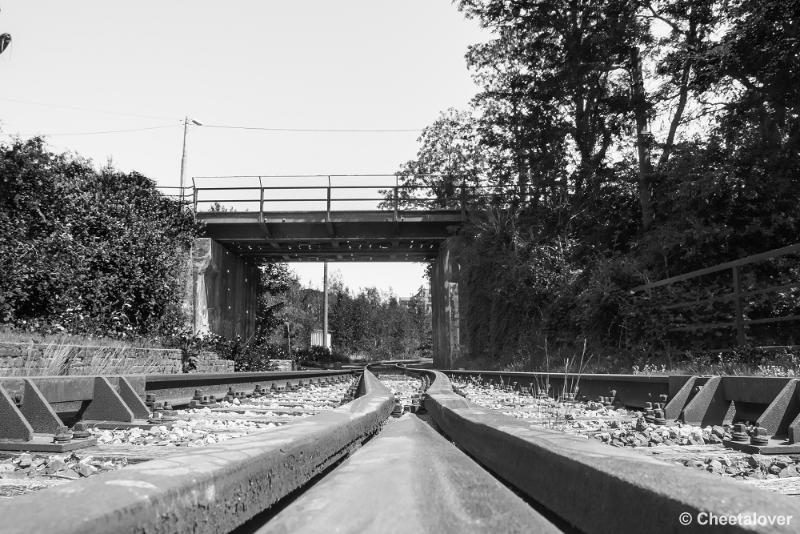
[(412, 236)]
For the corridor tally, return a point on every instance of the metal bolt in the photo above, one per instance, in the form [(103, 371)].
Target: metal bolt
[(63, 435), (759, 436), (739, 432), (80, 431), (658, 417)]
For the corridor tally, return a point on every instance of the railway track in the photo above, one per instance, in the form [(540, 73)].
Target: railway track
[(445, 465)]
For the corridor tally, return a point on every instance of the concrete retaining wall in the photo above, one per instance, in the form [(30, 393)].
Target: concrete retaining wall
[(208, 362), (27, 359), (18, 359)]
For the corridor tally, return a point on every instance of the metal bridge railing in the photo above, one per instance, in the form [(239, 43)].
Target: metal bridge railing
[(334, 193), (343, 192)]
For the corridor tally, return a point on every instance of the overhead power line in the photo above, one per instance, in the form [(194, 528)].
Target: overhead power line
[(314, 130)]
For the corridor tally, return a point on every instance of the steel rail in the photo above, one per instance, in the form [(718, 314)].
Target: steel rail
[(590, 485), (211, 489), (69, 394), (585, 483)]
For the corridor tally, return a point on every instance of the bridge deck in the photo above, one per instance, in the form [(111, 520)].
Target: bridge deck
[(335, 236)]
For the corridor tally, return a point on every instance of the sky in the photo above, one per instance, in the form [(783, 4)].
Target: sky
[(75, 69)]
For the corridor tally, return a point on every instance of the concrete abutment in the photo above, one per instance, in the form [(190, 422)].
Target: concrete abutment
[(224, 291), (446, 304)]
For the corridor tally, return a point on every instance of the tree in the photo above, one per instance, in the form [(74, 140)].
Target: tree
[(275, 280), (675, 56), (553, 67), (626, 140), (448, 163)]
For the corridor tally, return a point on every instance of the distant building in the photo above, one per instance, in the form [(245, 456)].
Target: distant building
[(425, 294), (316, 339)]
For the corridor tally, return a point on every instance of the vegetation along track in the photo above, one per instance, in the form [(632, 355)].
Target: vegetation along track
[(404, 474)]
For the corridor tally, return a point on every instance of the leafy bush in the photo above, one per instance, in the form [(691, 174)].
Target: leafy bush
[(320, 356), (259, 357), (87, 251)]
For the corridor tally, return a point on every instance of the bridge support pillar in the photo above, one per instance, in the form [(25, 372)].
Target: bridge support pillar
[(445, 308), (224, 291)]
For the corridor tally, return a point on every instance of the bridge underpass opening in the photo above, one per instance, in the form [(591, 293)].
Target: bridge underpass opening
[(316, 220), (402, 281)]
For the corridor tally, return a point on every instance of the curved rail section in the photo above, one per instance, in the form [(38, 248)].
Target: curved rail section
[(209, 489), (597, 488)]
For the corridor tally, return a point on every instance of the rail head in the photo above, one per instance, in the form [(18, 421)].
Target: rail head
[(596, 487), (210, 489)]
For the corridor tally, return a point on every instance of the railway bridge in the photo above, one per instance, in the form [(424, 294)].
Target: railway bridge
[(250, 220)]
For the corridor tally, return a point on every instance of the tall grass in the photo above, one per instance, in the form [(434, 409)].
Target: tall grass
[(76, 355)]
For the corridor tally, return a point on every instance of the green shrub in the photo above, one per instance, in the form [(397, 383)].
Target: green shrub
[(86, 251), (320, 356)]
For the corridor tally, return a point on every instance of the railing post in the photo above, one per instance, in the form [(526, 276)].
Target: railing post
[(739, 311), (328, 208), (261, 200)]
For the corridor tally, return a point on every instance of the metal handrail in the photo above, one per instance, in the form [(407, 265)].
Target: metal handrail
[(740, 320)]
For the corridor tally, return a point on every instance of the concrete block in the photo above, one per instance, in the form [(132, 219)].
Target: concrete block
[(709, 406), (107, 404), (37, 410), (782, 410), (13, 426), (133, 401)]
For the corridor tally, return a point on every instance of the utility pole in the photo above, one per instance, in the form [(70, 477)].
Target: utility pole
[(183, 154), (288, 330), (325, 306), (182, 199)]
